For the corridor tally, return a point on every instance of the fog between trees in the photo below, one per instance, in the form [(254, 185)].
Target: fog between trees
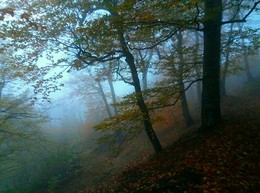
[(106, 81)]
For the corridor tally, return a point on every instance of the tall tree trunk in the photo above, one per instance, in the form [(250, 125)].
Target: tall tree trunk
[(104, 98), (2, 85), (226, 65), (144, 78), (149, 55), (224, 75), (129, 58), (210, 110), (197, 68), (247, 66), (120, 137), (184, 103), (112, 89), (144, 66), (248, 70)]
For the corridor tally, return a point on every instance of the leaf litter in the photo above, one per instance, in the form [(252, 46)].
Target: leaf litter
[(222, 160)]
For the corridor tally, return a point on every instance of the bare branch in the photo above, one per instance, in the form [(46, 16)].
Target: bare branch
[(157, 43), (119, 74), (178, 97), (244, 18)]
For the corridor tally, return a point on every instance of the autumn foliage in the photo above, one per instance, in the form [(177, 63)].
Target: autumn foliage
[(5, 11), (223, 160)]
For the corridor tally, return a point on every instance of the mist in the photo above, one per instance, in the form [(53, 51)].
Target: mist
[(88, 94)]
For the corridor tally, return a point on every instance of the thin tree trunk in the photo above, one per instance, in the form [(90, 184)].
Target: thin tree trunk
[(139, 96), (248, 70), (2, 85), (225, 70), (247, 66), (144, 79), (112, 89), (197, 68), (184, 104), (224, 75), (120, 137), (104, 98), (210, 110), (146, 68)]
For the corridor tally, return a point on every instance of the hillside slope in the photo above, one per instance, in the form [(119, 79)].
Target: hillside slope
[(225, 159)]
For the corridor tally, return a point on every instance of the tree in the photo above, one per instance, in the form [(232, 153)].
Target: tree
[(249, 48), (210, 110), (109, 75), (227, 61), (122, 25), (144, 60), (177, 65), (90, 87), (129, 58), (184, 103), (198, 69), (20, 122), (94, 48), (20, 135), (233, 46), (211, 114)]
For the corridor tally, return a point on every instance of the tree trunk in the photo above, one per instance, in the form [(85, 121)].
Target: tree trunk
[(225, 70), (112, 89), (104, 98), (139, 96), (248, 70), (146, 67), (197, 68), (210, 110), (144, 78), (224, 75), (120, 137), (247, 67), (184, 104), (2, 84)]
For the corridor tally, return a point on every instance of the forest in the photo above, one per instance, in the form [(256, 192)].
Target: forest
[(129, 96)]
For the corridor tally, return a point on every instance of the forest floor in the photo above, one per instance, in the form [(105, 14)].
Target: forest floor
[(225, 159)]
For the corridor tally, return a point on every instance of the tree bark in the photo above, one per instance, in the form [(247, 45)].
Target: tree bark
[(129, 58), (184, 104), (210, 110)]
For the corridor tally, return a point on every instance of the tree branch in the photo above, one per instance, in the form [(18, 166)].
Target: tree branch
[(244, 18), (118, 72), (157, 43), (178, 97)]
